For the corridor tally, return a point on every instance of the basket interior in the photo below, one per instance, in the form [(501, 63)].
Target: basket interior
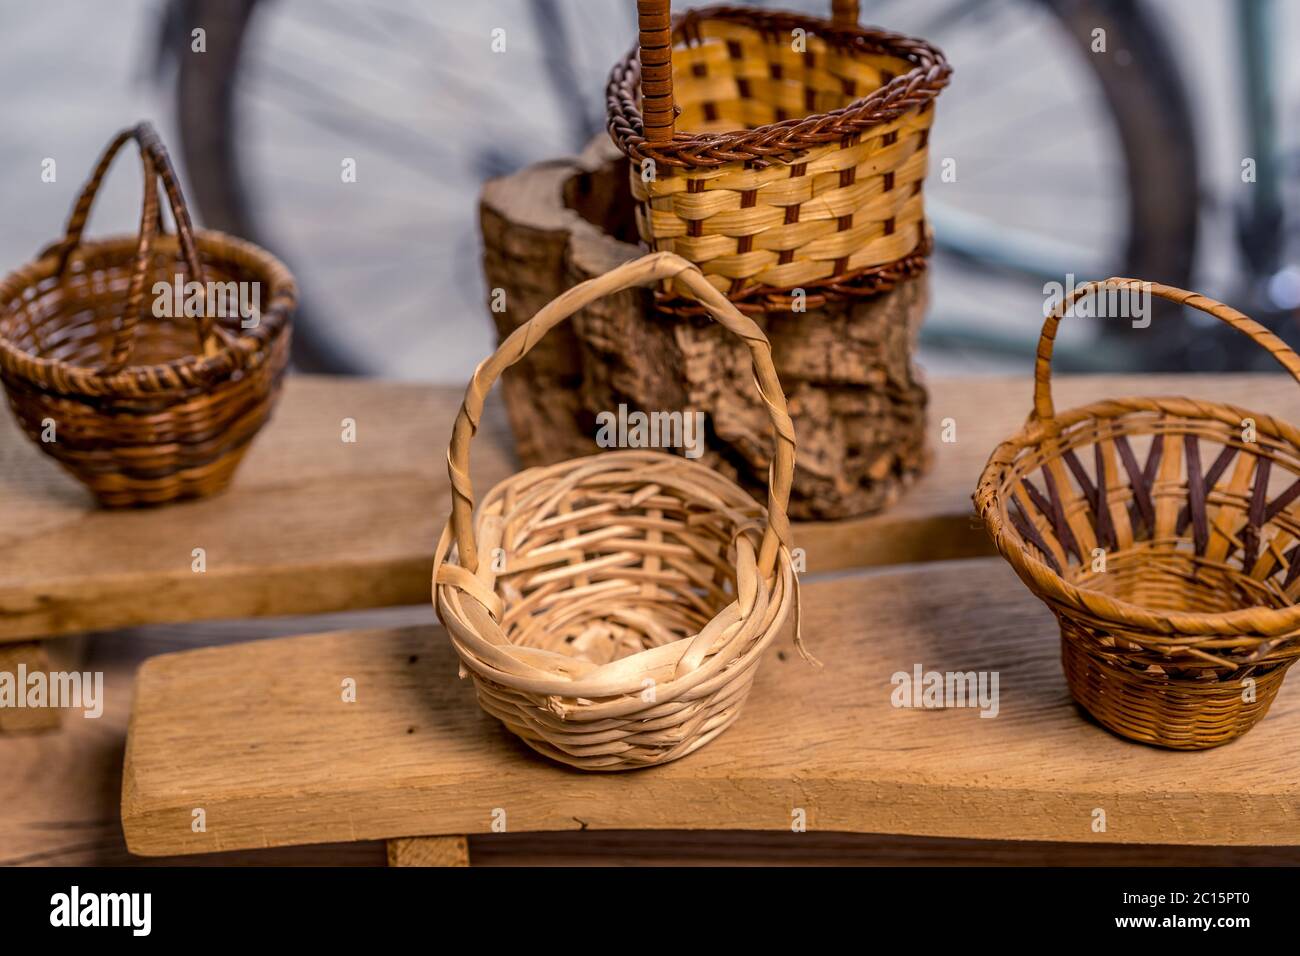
[(733, 76), (73, 319), (607, 556), (1165, 512)]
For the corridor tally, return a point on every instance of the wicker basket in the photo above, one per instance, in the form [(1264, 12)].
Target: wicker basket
[(612, 610), (1174, 581), (114, 392), (800, 168)]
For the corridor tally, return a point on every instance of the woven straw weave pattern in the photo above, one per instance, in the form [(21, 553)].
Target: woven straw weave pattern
[(826, 188), (1183, 636)]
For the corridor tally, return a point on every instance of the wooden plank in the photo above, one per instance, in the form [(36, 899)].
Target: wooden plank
[(315, 524), (760, 848), (59, 799), (17, 661), (259, 736), (60, 793), (429, 851)]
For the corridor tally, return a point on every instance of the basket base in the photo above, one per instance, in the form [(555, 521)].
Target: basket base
[(119, 491), (1151, 708), (620, 755)]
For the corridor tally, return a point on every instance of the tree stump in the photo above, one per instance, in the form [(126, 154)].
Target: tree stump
[(846, 365)]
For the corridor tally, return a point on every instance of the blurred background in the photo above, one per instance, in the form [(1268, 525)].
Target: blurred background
[(1171, 154)]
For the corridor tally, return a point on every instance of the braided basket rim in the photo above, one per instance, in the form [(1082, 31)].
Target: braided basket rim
[(1260, 621), (918, 87), (783, 590), (249, 349)]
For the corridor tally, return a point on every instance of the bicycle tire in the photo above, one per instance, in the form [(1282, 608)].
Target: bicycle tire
[(204, 108), (1148, 100), (1144, 94)]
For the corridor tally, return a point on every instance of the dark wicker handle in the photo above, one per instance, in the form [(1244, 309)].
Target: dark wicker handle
[(1043, 406), (157, 165), (656, 55)]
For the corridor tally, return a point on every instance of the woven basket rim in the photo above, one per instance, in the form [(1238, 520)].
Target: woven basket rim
[(782, 583), (916, 88), (70, 379), (1049, 585)]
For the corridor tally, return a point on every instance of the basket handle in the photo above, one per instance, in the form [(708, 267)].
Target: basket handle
[(639, 272), (157, 165), (655, 47), (1044, 409)]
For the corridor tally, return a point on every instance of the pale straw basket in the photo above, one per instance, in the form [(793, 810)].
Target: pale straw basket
[(612, 610)]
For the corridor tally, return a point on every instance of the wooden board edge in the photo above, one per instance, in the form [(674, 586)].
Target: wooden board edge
[(159, 827), (294, 589), (874, 541)]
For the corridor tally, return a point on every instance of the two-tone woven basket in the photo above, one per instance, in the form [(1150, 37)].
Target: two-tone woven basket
[(143, 405), (1164, 533), (778, 151), (612, 610)]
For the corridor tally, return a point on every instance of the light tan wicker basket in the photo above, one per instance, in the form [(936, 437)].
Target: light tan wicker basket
[(1175, 582), (612, 610), (778, 151)]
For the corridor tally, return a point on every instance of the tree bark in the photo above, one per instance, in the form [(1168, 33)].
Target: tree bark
[(855, 396)]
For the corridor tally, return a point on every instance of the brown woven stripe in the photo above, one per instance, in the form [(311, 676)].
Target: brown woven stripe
[(1105, 528), (1292, 567), (1255, 516), (1030, 534), (1196, 494), (1211, 479)]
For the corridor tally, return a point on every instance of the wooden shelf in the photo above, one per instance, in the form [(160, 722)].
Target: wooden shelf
[(259, 737), (314, 524)]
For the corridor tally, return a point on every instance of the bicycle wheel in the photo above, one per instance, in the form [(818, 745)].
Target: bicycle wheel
[(288, 90), (1081, 163), (287, 85)]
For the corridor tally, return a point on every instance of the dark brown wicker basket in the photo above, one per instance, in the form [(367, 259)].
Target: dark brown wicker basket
[(117, 394)]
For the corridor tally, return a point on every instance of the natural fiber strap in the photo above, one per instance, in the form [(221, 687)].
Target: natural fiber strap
[(844, 13), (639, 92), (1044, 410), (655, 50), (639, 272), (157, 165), (655, 53)]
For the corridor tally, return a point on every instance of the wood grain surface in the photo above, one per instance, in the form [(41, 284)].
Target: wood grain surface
[(60, 796), (258, 735), (314, 524)]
